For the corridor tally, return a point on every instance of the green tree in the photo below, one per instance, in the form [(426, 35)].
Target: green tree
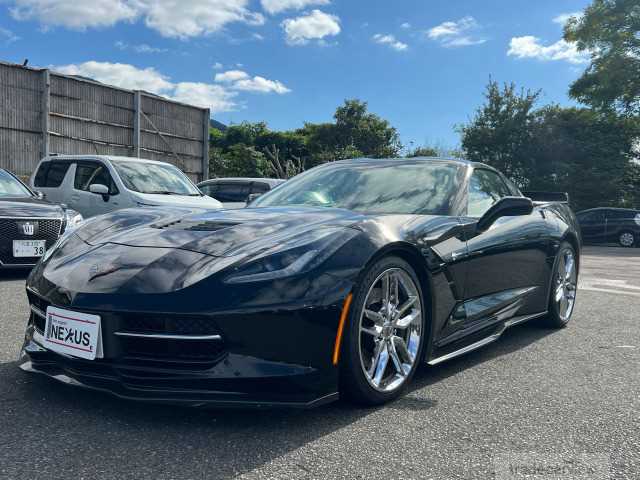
[(609, 31), (585, 153), (366, 132), (501, 131), (253, 147), (239, 160), (424, 151)]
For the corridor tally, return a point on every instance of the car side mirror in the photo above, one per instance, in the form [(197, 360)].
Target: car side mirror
[(505, 207), (100, 189), (252, 197)]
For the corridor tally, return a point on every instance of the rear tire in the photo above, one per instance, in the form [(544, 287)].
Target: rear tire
[(626, 239), (563, 289), (386, 333)]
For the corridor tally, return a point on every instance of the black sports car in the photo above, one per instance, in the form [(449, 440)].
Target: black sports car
[(29, 225), (338, 282)]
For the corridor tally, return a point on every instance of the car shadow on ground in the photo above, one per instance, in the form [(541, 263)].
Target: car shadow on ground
[(9, 275), (81, 426)]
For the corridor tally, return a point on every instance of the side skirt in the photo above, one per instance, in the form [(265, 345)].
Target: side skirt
[(487, 340)]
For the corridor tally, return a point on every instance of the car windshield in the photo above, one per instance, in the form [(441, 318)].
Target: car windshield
[(426, 188), (154, 178), (10, 187)]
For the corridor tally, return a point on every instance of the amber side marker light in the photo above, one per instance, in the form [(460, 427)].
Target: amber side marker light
[(343, 319)]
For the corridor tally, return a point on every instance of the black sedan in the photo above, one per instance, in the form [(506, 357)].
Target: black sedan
[(339, 282), (610, 225), (29, 225)]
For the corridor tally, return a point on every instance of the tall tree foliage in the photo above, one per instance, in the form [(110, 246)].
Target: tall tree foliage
[(251, 149), (581, 151), (610, 31), (501, 131)]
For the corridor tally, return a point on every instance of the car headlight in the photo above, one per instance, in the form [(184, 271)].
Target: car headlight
[(294, 256), (72, 219)]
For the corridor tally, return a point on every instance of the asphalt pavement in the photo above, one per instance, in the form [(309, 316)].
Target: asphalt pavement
[(536, 402)]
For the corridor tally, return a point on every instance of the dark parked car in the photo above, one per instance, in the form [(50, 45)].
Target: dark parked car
[(341, 281), (29, 225), (236, 192), (610, 225)]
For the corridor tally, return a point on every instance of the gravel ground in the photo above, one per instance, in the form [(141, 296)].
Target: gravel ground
[(571, 396)]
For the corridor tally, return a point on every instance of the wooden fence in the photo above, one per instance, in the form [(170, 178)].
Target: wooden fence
[(43, 112)]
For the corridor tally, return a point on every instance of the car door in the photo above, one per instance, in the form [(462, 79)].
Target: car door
[(50, 179), (506, 264), (593, 226), (85, 174)]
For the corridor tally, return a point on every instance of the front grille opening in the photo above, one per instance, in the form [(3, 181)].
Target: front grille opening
[(48, 230), (156, 324), (178, 351)]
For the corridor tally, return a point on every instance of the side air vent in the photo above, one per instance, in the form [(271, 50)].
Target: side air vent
[(162, 226), (203, 226), (209, 226)]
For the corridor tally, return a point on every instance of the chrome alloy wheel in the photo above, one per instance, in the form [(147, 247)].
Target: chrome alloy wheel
[(390, 330), (626, 239), (565, 286)]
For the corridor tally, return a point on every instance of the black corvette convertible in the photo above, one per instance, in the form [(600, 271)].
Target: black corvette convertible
[(338, 282)]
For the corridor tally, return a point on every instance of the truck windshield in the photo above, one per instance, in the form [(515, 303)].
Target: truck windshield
[(10, 187), (154, 178)]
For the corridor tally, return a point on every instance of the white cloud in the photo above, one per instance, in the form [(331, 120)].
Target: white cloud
[(391, 41), (75, 14), (141, 48), (7, 36), (171, 18), (218, 66), (240, 80), (231, 76), (312, 26), (461, 33), (122, 75), (531, 47), (215, 97), (192, 18), (277, 6), (405, 25), (564, 17)]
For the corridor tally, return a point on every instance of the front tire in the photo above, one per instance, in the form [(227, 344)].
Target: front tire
[(564, 286), (386, 333), (626, 239)]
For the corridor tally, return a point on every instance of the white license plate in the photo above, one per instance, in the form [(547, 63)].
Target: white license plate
[(28, 248), (72, 333)]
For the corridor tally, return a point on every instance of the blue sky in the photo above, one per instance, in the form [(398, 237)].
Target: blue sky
[(421, 64)]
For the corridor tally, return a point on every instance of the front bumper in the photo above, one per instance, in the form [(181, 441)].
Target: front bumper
[(138, 385), (277, 358)]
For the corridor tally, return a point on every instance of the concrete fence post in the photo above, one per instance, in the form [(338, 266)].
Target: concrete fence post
[(45, 109), (205, 145), (137, 106)]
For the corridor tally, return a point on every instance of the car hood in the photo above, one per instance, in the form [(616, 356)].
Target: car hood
[(215, 233), (158, 200), (29, 207)]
